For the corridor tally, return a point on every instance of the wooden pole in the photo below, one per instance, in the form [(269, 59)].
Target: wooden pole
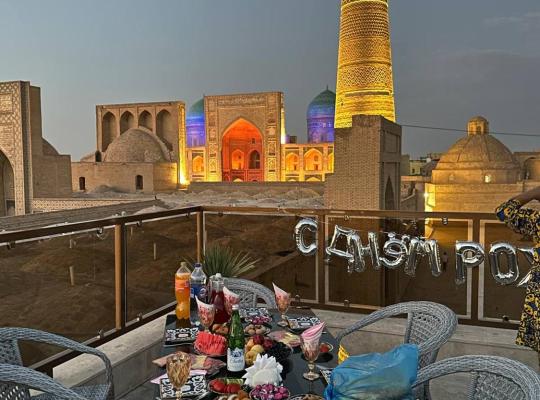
[(72, 275), (119, 275), (200, 236), (155, 251)]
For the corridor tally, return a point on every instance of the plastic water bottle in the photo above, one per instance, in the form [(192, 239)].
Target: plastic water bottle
[(197, 282)]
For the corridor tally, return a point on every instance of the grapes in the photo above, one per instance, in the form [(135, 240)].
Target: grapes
[(270, 392), (279, 350)]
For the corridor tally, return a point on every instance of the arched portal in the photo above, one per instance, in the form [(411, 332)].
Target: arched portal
[(389, 201), (145, 120), (240, 140), (313, 160), (165, 128), (108, 130), (198, 164), (291, 162), (7, 187), (127, 121)]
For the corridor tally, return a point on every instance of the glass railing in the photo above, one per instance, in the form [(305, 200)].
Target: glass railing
[(94, 281)]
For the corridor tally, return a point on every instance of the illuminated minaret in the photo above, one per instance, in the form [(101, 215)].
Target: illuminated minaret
[(364, 74)]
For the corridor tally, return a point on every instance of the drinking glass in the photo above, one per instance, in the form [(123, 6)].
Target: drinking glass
[(311, 349), (206, 314), (178, 367), (283, 303)]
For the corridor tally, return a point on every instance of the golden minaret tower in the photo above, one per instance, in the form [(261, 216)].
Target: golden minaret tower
[(364, 74)]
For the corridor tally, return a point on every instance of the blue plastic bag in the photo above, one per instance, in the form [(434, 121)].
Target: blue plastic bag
[(375, 376)]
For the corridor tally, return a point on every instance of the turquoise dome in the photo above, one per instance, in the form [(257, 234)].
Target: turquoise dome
[(320, 117)]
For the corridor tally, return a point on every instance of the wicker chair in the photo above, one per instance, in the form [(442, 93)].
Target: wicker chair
[(251, 292), (492, 378), (16, 380), (429, 325)]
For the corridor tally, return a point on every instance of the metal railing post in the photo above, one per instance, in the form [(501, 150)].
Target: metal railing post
[(120, 272), (321, 255), (200, 236)]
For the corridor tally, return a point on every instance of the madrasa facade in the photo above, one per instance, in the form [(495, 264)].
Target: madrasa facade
[(149, 147)]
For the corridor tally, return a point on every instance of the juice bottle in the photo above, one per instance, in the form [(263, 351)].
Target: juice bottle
[(218, 298), (182, 291)]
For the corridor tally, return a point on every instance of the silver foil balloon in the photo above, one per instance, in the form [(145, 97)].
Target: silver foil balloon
[(416, 251), (373, 249), (468, 255), (299, 229), (397, 249), (332, 250), (529, 253), (355, 247), (431, 248), (510, 252)]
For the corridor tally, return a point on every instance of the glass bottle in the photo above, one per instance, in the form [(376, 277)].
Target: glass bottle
[(217, 298), (236, 342)]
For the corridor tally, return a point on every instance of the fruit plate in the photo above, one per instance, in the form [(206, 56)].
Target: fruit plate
[(257, 330), (261, 392), (203, 353), (254, 312), (194, 387), (302, 323), (226, 382), (174, 337), (280, 351)]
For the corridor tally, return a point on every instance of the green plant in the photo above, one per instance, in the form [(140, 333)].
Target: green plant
[(223, 260)]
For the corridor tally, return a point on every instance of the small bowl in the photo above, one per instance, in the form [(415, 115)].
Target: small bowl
[(227, 381), (253, 397), (330, 348)]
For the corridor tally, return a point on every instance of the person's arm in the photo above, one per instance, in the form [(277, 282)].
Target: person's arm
[(521, 220), (528, 196)]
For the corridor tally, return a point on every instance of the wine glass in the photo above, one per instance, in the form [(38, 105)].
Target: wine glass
[(178, 367), (311, 349), (283, 302), (207, 313)]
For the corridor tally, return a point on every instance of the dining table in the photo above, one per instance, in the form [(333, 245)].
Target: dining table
[(293, 367)]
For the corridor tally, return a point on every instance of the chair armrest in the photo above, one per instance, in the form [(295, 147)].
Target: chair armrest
[(375, 316), (34, 335), (32, 379)]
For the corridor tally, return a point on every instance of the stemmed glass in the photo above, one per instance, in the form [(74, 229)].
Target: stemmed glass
[(207, 313), (283, 302), (178, 367), (311, 349)]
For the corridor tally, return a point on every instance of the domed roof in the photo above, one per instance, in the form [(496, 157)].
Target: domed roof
[(137, 145), (478, 118), (478, 152), (196, 111), (323, 105)]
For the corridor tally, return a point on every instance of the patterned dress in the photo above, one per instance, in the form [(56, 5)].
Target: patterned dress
[(527, 222)]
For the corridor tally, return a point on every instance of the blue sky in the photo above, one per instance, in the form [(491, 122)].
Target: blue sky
[(452, 59)]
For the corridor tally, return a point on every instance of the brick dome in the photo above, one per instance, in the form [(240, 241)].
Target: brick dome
[(137, 145), (477, 158)]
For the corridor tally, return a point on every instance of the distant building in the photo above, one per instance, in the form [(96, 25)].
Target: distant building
[(479, 172), (139, 149), (32, 171)]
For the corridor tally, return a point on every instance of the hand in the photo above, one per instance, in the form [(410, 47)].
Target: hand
[(525, 197)]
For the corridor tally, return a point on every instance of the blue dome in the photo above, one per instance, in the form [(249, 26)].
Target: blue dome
[(320, 117), (195, 125), (324, 105)]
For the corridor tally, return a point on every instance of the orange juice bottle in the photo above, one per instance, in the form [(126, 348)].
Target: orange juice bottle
[(182, 291)]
